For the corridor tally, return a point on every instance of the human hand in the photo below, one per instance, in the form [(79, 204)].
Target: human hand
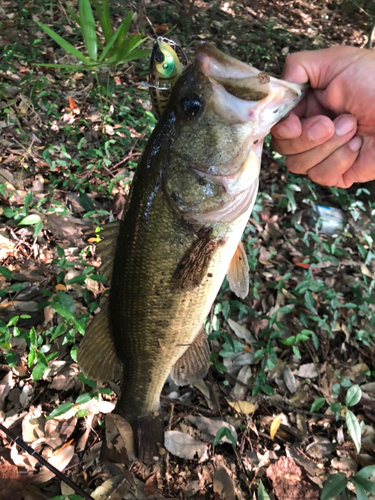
[(330, 136)]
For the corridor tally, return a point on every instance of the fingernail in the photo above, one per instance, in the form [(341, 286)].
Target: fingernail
[(355, 144), (318, 130), (285, 132), (344, 125)]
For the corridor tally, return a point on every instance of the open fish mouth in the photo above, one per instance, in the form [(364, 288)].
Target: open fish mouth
[(243, 93)]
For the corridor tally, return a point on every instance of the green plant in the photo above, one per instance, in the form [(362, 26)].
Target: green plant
[(336, 484), (118, 47), (352, 397)]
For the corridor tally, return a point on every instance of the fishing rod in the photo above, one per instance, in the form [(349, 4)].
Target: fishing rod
[(44, 462)]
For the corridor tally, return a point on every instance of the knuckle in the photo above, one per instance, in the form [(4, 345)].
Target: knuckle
[(295, 165)]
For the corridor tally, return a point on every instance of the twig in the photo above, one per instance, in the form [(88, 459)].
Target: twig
[(44, 462)]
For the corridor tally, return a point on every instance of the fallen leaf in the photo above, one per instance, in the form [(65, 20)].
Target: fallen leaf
[(223, 484), (184, 446), (241, 331), (274, 427), (308, 370), (151, 485), (59, 460), (243, 407), (114, 489), (290, 380)]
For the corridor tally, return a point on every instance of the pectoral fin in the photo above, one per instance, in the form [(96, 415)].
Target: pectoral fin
[(193, 266), (96, 356), (238, 272), (194, 363)]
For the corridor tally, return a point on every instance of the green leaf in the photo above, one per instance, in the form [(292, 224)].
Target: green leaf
[(262, 493), (68, 47), (38, 371), (38, 228), (88, 28), (335, 407), (105, 390), (104, 18), (63, 311), (224, 432), (124, 28), (30, 220), (59, 330), (365, 483), (80, 328), (84, 398), (86, 380), (335, 484), (138, 54), (60, 410), (309, 301), (85, 202), (11, 359), (354, 429), (28, 199), (82, 413), (98, 277), (317, 404), (353, 396), (366, 472), (6, 273), (110, 44), (360, 491), (31, 358)]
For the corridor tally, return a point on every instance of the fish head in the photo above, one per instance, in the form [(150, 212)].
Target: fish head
[(224, 108)]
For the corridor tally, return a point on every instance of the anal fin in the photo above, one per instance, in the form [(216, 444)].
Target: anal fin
[(97, 356), (238, 272), (194, 363)]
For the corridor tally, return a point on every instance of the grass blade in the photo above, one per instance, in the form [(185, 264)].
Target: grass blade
[(124, 28), (104, 18), (68, 47), (110, 44), (137, 54), (73, 15), (88, 28), (131, 43)]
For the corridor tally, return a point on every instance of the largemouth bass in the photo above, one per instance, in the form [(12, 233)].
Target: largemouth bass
[(180, 234)]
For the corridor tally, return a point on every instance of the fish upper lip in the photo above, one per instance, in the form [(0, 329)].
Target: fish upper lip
[(232, 73)]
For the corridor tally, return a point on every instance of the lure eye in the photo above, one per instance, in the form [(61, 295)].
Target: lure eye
[(191, 104)]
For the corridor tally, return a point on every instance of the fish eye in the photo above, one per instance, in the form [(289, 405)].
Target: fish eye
[(191, 104)]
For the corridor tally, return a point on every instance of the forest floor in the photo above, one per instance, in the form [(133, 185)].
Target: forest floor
[(287, 408)]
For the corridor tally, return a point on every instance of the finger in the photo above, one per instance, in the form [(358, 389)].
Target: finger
[(290, 128), (313, 132), (363, 169), (318, 67), (345, 126), (333, 170)]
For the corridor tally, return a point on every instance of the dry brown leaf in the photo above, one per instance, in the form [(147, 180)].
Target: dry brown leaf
[(151, 485), (184, 446), (59, 460), (223, 484)]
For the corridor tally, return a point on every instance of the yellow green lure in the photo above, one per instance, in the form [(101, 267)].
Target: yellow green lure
[(165, 68)]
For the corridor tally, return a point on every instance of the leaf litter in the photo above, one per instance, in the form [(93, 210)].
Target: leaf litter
[(288, 431)]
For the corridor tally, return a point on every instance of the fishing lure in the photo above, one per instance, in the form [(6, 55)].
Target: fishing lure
[(165, 68)]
